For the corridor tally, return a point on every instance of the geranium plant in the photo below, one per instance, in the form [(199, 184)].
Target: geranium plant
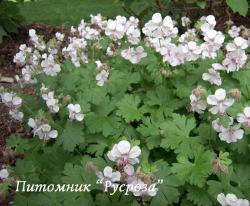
[(128, 106)]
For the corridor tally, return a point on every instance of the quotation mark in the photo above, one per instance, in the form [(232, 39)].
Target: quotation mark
[(99, 181), (159, 181)]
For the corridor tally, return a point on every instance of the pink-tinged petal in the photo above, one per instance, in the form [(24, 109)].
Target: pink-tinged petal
[(212, 100), (77, 108), (238, 134), (107, 172), (133, 161), (214, 110), (115, 152), (111, 157), (228, 102), (247, 111), (129, 170), (100, 175), (222, 199), (193, 98), (156, 18), (206, 76), (152, 192), (116, 176), (230, 47), (231, 198), (123, 147), (220, 94), (32, 123), (241, 118), (216, 125), (79, 116), (225, 136), (135, 152), (53, 134)]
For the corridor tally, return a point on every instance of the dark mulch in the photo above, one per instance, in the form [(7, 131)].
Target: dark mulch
[(8, 49)]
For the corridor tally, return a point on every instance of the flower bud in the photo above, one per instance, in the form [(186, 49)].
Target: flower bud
[(245, 32), (67, 98), (235, 93), (90, 167), (165, 73), (218, 167), (199, 91), (229, 23)]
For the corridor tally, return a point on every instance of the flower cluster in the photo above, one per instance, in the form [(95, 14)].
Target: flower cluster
[(42, 129), (134, 55), (51, 101), (13, 102), (75, 112), (103, 73), (126, 156), (231, 200)]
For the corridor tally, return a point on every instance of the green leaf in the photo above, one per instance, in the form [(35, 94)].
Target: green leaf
[(177, 137), (168, 190), (71, 136), (21, 145), (199, 196), (194, 172), (73, 174), (240, 6), (2, 33), (151, 131), (129, 109)]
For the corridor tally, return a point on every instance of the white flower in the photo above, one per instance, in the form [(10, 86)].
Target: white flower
[(209, 23), (219, 102), (213, 42), (102, 77), (75, 112), (230, 134), (13, 102), (4, 174), (42, 129), (116, 29), (212, 76), (244, 117), (28, 73), (17, 115), (197, 104), (218, 67), (49, 66), (97, 20), (235, 60), (36, 41), (172, 54), (234, 31), (231, 200), (109, 51), (238, 44), (51, 101), (76, 51), (134, 55), (185, 21), (160, 28), (123, 154), (59, 36), (109, 175)]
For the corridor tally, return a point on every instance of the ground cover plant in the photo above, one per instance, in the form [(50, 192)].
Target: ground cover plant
[(130, 106)]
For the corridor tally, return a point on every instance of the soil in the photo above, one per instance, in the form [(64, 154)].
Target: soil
[(8, 49)]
